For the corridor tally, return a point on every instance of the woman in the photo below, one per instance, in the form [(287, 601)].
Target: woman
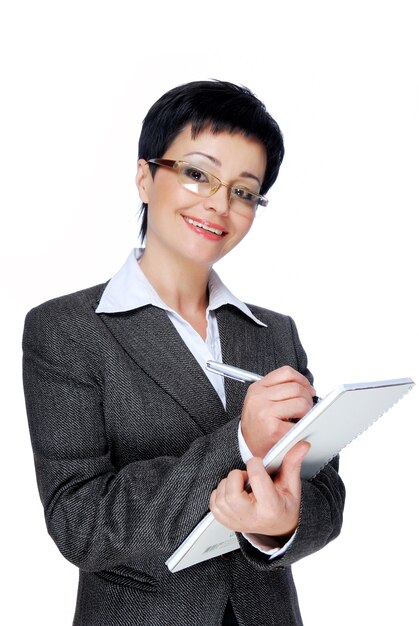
[(133, 439)]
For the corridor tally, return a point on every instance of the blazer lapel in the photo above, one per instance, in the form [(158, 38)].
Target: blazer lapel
[(150, 339), (244, 344)]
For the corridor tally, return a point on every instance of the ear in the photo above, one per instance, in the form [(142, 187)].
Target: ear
[(143, 179)]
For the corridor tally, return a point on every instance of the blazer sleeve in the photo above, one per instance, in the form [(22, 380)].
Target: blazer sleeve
[(322, 501), (100, 517)]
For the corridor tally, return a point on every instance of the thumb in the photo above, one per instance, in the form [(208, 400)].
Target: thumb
[(289, 473)]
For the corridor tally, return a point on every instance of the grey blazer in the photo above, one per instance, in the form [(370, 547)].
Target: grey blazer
[(130, 438)]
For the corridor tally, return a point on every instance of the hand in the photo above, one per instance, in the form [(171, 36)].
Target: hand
[(279, 396), (273, 505)]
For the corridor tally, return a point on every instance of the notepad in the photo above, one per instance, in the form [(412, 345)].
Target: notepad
[(329, 426)]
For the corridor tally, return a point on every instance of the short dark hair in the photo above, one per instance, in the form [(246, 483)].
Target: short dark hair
[(215, 105)]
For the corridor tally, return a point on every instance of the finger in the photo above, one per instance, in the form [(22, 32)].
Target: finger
[(289, 476), (226, 497), (261, 483), (292, 407), (234, 485), (213, 497), (286, 409), (286, 391), (286, 374), (218, 494), (213, 501), (230, 503)]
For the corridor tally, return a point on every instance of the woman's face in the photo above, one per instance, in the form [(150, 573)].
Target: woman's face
[(234, 159)]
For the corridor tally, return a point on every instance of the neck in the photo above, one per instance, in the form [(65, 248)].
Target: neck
[(180, 283)]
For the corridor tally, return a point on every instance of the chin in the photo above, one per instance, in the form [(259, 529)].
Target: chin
[(198, 255)]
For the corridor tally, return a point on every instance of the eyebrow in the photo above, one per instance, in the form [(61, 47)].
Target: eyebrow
[(218, 164)]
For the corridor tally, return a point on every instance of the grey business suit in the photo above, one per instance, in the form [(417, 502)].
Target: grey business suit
[(129, 440)]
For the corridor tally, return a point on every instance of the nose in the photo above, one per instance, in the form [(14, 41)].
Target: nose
[(219, 201)]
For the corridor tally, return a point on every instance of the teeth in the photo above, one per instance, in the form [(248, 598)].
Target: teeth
[(203, 226)]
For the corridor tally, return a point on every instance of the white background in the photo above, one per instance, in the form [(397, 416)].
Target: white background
[(336, 248)]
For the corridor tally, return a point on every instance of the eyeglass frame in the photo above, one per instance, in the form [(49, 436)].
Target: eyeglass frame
[(172, 164)]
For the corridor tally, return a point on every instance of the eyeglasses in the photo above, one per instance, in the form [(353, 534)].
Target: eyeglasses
[(204, 184)]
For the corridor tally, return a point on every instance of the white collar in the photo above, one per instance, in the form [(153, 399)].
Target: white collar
[(130, 289)]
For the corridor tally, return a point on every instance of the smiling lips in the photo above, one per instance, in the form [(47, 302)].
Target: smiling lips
[(207, 229)]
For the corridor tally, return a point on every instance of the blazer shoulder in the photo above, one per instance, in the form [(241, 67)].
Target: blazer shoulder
[(69, 313), (79, 299), (270, 317)]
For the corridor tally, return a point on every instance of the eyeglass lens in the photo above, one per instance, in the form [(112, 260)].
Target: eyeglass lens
[(205, 184)]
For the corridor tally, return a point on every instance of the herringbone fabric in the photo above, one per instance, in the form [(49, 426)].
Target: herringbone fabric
[(130, 438)]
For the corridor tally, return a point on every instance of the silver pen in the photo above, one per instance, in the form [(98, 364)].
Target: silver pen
[(232, 372)]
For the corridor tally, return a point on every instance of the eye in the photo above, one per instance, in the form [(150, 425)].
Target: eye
[(244, 194), (195, 174)]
